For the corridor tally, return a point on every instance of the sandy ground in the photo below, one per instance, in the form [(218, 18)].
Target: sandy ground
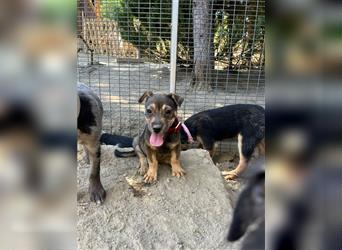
[(193, 212)]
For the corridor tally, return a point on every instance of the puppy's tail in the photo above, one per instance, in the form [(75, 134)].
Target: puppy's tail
[(123, 144)]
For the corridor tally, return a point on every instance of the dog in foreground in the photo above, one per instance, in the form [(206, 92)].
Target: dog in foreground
[(89, 134), (160, 140), (249, 210), (246, 121)]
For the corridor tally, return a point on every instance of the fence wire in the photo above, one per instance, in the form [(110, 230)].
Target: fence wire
[(124, 50)]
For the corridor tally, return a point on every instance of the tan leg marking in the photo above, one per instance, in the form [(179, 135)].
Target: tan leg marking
[(212, 152), (200, 141), (142, 166), (151, 175), (233, 174), (177, 169), (261, 147), (201, 145)]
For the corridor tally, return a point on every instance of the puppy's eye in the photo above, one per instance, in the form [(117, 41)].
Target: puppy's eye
[(148, 111), (167, 112)]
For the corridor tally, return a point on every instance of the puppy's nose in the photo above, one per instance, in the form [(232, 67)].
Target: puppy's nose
[(156, 128)]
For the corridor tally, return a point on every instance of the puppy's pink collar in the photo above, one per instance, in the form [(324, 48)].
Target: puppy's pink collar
[(186, 130), (176, 126)]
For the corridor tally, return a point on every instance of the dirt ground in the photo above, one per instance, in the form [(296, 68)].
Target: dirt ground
[(188, 213)]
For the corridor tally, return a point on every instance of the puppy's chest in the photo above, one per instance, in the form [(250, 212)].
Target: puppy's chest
[(164, 153)]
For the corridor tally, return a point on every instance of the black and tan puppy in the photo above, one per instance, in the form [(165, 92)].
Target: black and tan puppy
[(246, 121), (160, 140)]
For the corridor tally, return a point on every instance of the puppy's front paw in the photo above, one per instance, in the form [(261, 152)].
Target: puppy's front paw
[(178, 172), (142, 169), (97, 192), (230, 175), (150, 176)]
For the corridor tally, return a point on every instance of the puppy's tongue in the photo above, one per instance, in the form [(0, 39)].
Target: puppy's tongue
[(156, 140)]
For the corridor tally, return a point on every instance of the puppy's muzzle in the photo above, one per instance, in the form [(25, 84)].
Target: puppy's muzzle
[(157, 128)]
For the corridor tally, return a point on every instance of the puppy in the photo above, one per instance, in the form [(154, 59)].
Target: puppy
[(89, 134), (160, 140), (249, 210), (246, 121)]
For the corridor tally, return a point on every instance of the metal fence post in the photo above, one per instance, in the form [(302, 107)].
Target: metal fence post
[(173, 56)]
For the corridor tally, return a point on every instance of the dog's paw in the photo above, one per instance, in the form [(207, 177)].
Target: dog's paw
[(178, 172), (230, 175), (150, 176), (97, 192), (142, 169)]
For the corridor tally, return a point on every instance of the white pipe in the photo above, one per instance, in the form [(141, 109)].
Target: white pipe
[(173, 56)]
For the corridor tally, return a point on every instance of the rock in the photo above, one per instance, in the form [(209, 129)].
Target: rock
[(192, 212)]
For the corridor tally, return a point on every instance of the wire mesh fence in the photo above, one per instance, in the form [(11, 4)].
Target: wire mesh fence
[(124, 49)]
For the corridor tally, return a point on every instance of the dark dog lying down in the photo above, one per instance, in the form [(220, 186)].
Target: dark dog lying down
[(246, 121), (89, 134), (250, 209)]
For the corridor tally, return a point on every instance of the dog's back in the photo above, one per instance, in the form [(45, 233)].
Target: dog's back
[(228, 121)]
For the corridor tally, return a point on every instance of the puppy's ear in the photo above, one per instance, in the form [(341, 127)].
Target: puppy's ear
[(177, 99), (145, 96)]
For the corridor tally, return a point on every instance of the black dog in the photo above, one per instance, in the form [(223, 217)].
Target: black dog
[(246, 121), (89, 134), (250, 209)]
